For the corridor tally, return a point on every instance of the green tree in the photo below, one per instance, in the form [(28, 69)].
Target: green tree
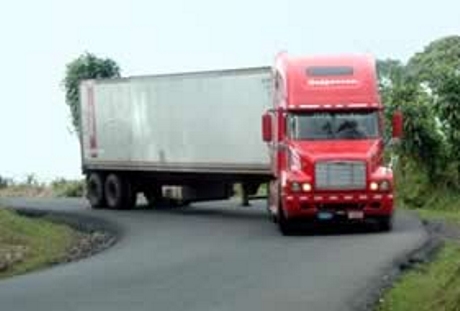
[(86, 66), (31, 180), (448, 107), (437, 68), (3, 182), (423, 141), (438, 58), (427, 90), (389, 71)]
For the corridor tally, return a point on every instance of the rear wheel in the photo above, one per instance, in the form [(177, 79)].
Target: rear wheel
[(119, 193), (95, 190)]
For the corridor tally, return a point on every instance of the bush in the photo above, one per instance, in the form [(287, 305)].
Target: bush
[(68, 188), (3, 182)]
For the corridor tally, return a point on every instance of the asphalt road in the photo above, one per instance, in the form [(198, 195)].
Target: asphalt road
[(213, 256)]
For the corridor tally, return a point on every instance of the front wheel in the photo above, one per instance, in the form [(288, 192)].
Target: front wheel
[(284, 224), (385, 224)]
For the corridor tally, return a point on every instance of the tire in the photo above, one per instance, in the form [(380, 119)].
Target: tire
[(285, 225), (385, 224), (271, 216), (119, 193), (95, 190)]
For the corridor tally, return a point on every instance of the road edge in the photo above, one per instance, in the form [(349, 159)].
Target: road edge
[(424, 252), (81, 223)]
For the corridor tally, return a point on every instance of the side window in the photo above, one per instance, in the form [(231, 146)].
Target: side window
[(290, 126)]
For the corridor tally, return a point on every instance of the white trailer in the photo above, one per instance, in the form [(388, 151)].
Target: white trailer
[(199, 132)]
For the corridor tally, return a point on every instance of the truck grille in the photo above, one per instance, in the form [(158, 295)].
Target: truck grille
[(340, 175)]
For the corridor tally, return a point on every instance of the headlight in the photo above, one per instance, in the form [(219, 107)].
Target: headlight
[(295, 187), (306, 187), (374, 186), (385, 185)]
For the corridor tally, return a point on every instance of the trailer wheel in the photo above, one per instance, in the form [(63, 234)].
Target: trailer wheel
[(119, 192), (95, 190)]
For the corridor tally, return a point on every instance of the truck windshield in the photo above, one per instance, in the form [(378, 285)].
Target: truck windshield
[(333, 125)]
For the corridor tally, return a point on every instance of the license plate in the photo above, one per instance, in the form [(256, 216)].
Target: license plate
[(325, 215), (355, 215)]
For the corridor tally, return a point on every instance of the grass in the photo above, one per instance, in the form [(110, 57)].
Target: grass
[(439, 204), (436, 285), (28, 244), (433, 286), (449, 216)]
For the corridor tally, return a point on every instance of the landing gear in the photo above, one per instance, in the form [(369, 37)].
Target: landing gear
[(245, 195), (154, 195)]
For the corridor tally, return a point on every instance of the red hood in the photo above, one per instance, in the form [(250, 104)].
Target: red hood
[(337, 149)]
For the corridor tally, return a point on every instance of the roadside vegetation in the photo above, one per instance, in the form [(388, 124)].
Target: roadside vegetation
[(427, 90), (32, 187), (28, 244), (432, 286)]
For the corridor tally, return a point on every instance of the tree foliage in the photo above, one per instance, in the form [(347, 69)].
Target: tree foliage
[(436, 60), (86, 66), (427, 90), (448, 107), (3, 182), (423, 142), (389, 71)]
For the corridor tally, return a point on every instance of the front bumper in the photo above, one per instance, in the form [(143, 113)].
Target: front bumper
[(339, 205)]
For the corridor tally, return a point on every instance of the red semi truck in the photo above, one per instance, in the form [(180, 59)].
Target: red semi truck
[(189, 137), (325, 133)]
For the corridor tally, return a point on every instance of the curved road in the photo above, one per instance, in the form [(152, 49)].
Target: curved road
[(213, 256)]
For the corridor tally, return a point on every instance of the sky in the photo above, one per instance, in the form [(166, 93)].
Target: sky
[(38, 38)]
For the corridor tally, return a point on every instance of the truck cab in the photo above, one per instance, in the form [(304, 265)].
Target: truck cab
[(325, 139)]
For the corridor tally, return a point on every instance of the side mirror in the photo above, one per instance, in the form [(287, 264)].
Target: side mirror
[(397, 124), (267, 130)]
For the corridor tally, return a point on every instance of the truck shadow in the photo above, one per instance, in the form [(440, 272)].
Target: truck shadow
[(252, 215), (326, 229), (218, 212)]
